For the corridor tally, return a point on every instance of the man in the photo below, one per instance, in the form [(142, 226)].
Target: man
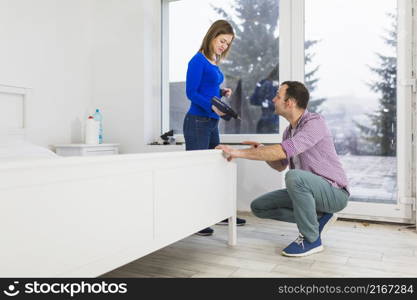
[(316, 183)]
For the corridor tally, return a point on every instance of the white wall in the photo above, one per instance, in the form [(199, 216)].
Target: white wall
[(126, 70), (44, 45), (255, 178), (78, 55)]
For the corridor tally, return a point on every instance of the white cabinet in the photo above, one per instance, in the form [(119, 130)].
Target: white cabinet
[(86, 149)]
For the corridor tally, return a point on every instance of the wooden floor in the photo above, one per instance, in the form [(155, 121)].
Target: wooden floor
[(352, 249)]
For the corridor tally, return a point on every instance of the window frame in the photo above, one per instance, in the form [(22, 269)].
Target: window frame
[(414, 102)]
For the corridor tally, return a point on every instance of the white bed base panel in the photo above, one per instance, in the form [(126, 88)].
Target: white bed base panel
[(85, 216)]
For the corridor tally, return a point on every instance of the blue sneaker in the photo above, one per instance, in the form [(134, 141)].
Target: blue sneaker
[(326, 220), (302, 247)]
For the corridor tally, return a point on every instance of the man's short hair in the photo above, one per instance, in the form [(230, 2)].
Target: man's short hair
[(297, 91)]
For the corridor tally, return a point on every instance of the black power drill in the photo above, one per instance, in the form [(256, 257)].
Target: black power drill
[(224, 108)]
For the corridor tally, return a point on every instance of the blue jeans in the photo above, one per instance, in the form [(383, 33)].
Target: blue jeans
[(200, 133)]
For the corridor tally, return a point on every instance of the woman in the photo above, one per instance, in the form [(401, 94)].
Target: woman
[(203, 83)]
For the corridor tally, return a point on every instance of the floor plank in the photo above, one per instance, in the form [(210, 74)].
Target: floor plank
[(352, 249)]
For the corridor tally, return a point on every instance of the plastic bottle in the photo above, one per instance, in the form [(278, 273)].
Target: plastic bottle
[(98, 117), (91, 131)]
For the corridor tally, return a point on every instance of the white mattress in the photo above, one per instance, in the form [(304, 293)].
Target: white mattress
[(23, 151)]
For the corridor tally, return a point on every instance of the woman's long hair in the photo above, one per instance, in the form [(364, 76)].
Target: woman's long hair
[(217, 28)]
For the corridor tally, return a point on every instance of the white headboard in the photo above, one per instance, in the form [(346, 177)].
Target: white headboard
[(12, 111)]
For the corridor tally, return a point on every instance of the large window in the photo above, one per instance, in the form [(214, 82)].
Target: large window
[(356, 59), (251, 69), (355, 80)]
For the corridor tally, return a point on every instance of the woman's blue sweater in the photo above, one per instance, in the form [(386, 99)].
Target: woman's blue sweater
[(203, 83)]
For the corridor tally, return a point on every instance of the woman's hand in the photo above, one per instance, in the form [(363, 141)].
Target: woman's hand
[(253, 144), (227, 92), (217, 111)]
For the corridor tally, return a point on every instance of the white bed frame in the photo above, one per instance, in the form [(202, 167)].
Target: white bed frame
[(85, 216), (12, 111)]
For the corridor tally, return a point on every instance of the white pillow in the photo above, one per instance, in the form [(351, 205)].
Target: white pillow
[(22, 149)]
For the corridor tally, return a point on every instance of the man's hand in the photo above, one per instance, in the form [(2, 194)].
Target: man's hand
[(228, 152), (227, 92)]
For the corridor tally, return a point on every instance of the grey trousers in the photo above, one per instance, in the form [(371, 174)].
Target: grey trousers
[(307, 195)]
